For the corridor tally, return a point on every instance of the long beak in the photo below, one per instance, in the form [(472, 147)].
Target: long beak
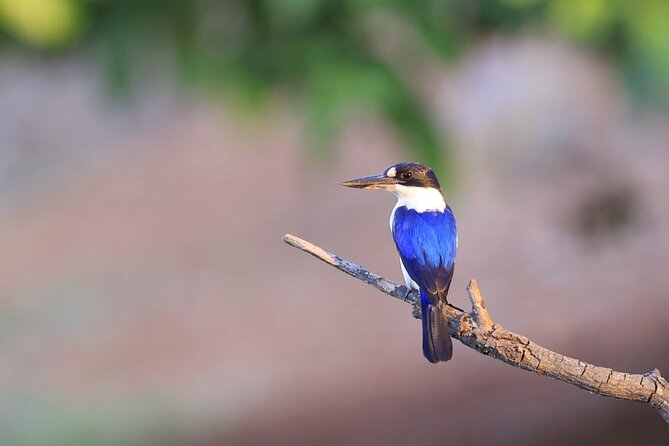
[(380, 181)]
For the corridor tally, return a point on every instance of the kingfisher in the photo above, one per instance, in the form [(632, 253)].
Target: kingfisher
[(425, 234)]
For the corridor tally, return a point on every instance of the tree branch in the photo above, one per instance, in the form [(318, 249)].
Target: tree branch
[(477, 330)]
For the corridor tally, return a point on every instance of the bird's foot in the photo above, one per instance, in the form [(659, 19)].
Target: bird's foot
[(416, 312)]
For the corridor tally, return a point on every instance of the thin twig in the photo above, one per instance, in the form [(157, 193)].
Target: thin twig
[(478, 331)]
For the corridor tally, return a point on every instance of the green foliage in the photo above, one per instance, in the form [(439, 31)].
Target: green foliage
[(43, 23), (323, 51)]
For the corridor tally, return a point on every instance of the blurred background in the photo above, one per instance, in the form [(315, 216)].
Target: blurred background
[(153, 153)]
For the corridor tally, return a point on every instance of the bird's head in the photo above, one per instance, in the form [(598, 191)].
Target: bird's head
[(400, 175), (414, 184)]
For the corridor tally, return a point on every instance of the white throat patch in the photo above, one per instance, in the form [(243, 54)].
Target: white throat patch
[(420, 199)]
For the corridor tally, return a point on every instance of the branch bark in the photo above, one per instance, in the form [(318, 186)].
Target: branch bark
[(477, 330)]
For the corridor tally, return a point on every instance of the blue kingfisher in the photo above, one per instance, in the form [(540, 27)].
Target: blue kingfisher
[(425, 234)]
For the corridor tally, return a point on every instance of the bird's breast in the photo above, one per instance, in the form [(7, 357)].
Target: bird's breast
[(427, 237)]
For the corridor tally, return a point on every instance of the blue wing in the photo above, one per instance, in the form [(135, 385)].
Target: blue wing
[(427, 244)]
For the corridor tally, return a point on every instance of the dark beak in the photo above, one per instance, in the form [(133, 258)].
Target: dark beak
[(380, 181)]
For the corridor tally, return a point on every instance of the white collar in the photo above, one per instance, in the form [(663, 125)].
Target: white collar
[(420, 199)]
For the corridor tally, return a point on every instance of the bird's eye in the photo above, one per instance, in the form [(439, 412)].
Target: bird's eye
[(406, 175)]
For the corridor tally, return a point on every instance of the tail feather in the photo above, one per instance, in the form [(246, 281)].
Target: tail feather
[(437, 344)]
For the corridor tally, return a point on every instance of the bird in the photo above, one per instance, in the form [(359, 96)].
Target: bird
[(425, 234)]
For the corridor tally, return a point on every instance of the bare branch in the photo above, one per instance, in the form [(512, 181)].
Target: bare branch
[(477, 330)]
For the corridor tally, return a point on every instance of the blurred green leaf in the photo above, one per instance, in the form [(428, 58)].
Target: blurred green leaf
[(43, 23), (648, 26), (582, 20)]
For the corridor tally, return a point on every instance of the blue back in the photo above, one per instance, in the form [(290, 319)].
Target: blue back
[(427, 244)]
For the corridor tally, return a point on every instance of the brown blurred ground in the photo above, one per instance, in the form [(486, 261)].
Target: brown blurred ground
[(147, 298)]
